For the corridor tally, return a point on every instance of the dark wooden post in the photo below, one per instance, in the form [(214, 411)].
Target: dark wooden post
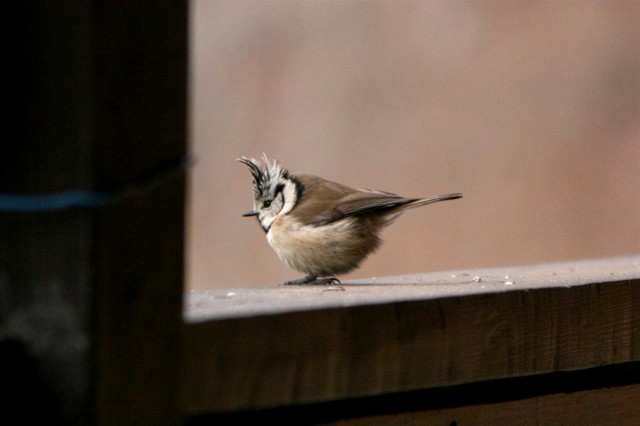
[(91, 297)]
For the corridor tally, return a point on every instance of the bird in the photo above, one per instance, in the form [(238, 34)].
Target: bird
[(319, 227)]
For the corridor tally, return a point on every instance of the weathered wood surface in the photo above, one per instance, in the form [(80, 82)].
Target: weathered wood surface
[(259, 348)]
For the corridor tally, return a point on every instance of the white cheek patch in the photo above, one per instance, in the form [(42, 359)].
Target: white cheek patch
[(290, 197)]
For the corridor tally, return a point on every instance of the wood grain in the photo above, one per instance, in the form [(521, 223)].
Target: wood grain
[(616, 406), (92, 295), (139, 59), (559, 317)]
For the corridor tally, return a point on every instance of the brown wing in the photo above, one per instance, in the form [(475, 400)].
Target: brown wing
[(365, 202), (324, 201)]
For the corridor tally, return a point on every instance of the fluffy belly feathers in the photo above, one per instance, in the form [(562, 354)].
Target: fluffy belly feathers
[(331, 249)]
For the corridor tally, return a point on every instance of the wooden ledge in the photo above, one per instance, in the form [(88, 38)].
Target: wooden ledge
[(244, 302), (280, 346)]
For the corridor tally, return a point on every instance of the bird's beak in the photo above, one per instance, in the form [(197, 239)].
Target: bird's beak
[(250, 213)]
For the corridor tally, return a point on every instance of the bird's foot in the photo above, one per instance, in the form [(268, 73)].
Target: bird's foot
[(328, 281), (313, 280)]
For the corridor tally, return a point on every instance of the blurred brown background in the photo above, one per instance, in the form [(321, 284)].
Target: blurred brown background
[(530, 109)]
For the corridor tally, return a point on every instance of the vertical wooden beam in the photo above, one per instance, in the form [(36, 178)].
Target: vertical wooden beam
[(91, 298), (45, 267), (140, 65)]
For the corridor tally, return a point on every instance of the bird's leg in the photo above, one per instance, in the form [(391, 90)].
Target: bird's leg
[(328, 281), (313, 280), (306, 280)]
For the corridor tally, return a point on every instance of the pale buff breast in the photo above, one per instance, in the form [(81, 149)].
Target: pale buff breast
[(335, 248)]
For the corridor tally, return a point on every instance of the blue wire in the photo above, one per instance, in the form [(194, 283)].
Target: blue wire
[(56, 201), (77, 198)]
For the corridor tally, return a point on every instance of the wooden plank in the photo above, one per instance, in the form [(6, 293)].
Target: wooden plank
[(246, 302), (605, 395), (281, 346), (611, 406)]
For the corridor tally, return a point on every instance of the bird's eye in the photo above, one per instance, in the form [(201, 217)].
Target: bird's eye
[(266, 204)]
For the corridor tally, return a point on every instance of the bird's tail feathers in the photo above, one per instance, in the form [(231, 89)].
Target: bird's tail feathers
[(424, 201)]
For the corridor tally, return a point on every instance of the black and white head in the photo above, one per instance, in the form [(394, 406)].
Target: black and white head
[(275, 193)]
